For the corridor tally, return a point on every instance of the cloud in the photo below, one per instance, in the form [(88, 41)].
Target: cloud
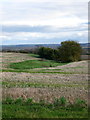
[(63, 1), (36, 21), (37, 37), (43, 29), (53, 13)]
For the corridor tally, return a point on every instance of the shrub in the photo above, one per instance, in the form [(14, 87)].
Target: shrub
[(69, 51), (47, 53)]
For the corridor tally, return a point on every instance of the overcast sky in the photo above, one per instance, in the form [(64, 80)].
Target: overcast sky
[(43, 21)]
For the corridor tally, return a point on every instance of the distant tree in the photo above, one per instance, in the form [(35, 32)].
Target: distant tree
[(47, 53), (70, 51), (56, 55), (41, 52)]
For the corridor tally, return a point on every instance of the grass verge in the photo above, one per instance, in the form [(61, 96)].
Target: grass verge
[(37, 71), (58, 109), (21, 84)]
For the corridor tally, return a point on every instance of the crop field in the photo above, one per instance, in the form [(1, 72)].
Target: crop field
[(26, 76)]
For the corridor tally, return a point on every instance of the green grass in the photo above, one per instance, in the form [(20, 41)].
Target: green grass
[(10, 84), (47, 71), (36, 71), (28, 109), (30, 64), (38, 111), (34, 55)]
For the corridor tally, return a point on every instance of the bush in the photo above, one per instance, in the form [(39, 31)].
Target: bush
[(70, 51), (56, 55), (47, 53)]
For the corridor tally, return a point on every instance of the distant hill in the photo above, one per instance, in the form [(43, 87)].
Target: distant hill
[(28, 46), (85, 46), (38, 45)]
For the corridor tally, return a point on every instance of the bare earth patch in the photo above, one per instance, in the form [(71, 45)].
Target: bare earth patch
[(72, 86), (75, 67), (47, 94), (45, 78)]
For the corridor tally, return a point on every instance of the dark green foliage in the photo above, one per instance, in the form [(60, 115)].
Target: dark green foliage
[(45, 52), (70, 51), (63, 101), (29, 101), (80, 103), (42, 102), (49, 53), (8, 100), (60, 102), (29, 109), (56, 55), (18, 101)]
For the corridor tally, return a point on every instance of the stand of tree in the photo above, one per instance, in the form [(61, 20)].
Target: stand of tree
[(69, 51)]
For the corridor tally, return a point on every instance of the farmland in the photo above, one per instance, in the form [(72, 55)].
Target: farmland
[(28, 76)]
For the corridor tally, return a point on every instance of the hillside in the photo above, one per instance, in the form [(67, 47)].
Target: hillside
[(32, 86)]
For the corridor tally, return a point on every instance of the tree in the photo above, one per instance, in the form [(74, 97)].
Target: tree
[(41, 52), (70, 51), (56, 55), (47, 53)]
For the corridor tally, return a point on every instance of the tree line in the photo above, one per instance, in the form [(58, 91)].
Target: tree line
[(69, 51)]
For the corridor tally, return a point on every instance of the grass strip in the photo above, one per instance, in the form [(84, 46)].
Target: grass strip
[(11, 84), (37, 71), (20, 108), (38, 111)]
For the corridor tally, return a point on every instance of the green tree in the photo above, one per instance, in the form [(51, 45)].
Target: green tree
[(41, 52), (47, 53), (56, 55), (70, 51)]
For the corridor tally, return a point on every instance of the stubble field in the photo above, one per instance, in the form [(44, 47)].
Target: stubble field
[(44, 83)]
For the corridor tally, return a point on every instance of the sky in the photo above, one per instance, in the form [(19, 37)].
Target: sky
[(43, 21)]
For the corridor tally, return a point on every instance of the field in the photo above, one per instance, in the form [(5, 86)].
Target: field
[(27, 76)]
